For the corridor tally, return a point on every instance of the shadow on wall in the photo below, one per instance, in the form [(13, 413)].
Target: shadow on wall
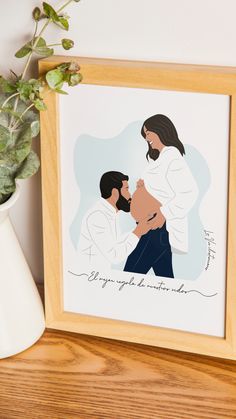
[(126, 153)]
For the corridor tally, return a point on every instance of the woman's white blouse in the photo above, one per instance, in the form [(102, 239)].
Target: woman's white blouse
[(170, 181)]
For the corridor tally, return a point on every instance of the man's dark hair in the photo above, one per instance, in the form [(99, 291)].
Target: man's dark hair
[(110, 180)]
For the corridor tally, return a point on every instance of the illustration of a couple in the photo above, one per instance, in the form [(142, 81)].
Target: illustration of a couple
[(160, 205)]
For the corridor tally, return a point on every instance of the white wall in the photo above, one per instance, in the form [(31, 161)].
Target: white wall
[(186, 31)]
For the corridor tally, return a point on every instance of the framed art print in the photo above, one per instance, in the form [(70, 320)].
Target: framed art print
[(138, 186)]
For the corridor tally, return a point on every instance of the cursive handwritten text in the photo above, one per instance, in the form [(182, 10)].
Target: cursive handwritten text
[(211, 248), (160, 286)]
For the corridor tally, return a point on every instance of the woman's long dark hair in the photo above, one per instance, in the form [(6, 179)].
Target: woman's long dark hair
[(165, 129)]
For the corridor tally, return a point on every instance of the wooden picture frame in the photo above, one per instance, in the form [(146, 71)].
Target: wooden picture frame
[(145, 75)]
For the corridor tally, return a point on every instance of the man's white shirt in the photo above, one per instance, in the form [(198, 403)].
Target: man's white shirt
[(101, 243)]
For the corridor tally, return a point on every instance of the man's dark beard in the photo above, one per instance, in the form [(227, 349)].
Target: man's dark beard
[(123, 204)]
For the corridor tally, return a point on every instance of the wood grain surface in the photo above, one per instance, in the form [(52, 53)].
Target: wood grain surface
[(69, 376)]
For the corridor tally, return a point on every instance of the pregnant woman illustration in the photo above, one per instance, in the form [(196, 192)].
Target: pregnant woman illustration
[(166, 192)]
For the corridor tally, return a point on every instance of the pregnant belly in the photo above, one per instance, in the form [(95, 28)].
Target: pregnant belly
[(143, 204)]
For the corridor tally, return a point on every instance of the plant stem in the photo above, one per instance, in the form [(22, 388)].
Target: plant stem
[(53, 45), (28, 63), (64, 5), (36, 28), (37, 39), (21, 116), (31, 53), (9, 98), (34, 46)]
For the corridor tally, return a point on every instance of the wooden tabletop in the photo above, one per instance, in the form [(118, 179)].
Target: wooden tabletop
[(67, 376)]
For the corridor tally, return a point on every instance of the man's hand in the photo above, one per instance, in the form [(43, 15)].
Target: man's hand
[(158, 221), (143, 227)]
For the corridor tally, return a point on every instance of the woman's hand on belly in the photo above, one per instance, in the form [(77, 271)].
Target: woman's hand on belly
[(140, 183)]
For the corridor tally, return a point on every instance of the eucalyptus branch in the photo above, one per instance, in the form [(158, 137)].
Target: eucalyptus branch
[(31, 53), (18, 160), (27, 65), (33, 47)]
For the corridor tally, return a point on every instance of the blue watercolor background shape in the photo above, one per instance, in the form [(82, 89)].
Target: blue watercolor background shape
[(126, 153)]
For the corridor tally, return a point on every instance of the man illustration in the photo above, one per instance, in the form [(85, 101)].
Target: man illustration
[(101, 243)]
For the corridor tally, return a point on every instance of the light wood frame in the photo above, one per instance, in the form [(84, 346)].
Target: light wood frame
[(178, 77)]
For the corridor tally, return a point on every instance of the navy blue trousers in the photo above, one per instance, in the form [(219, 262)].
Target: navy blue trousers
[(152, 251)]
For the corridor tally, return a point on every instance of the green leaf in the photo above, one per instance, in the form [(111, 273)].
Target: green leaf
[(29, 166), (75, 79), (50, 12), (7, 86), (4, 138), (4, 118), (63, 22), (9, 111), (37, 88), (36, 14), (7, 181), (67, 43), (42, 49), (30, 116), (8, 159), (35, 128), (41, 42), (63, 67), (62, 92), (45, 52), (25, 89), (25, 50), (54, 79), (77, 1), (23, 143), (40, 105), (36, 84)]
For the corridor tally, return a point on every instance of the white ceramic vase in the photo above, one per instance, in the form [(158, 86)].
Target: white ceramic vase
[(21, 310)]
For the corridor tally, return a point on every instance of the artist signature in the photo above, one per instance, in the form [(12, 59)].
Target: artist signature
[(211, 248)]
